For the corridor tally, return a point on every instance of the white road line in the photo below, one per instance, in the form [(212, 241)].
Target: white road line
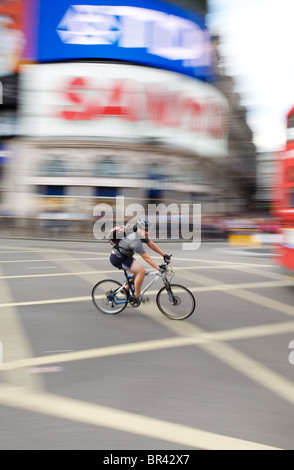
[(224, 263), (99, 253), (75, 266), (230, 288), (105, 271), (23, 276), (96, 415), (44, 302), (232, 357), (259, 272), (239, 290), (52, 260), (245, 285), (259, 373), (58, 351), (41, 267), (99, 352), (267, 302), (51, 250)]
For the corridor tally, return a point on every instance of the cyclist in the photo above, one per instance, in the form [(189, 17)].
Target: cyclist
[(122, 255)]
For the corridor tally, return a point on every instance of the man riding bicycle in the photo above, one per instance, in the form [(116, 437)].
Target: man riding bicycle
[(122, 254)]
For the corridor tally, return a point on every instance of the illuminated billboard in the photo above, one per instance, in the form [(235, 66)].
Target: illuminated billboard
[(123, 102), (146, 32)]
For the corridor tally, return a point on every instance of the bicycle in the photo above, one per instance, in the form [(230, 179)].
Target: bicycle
[(173, 300)]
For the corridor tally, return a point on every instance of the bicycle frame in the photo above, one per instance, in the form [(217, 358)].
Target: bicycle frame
[(110, 296), (156, 275)]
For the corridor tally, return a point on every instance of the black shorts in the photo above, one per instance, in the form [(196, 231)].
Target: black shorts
[(121, 263)]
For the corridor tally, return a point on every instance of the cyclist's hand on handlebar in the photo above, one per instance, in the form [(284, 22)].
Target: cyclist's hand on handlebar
[(163, 268), (167, 258)]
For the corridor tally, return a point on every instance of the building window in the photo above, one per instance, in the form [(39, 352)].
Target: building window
[(105, 191), (54, 167), (52, 190)]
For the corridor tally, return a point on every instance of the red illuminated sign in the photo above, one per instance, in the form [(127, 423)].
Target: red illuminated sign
[(133, 102)]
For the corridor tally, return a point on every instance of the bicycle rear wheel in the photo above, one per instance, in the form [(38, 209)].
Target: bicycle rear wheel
[(108, 297), (176, 303)]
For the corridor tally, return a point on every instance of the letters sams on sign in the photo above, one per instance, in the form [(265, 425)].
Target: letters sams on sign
[(146, 32)]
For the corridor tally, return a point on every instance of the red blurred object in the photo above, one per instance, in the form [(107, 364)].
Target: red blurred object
[(283, 199)]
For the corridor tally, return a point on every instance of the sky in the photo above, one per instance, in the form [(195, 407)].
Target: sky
[(257, 45)]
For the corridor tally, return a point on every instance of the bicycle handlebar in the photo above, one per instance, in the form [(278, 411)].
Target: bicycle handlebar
[(163, 266)]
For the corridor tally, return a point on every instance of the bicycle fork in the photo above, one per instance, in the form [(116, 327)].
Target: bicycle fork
[(169, 292)]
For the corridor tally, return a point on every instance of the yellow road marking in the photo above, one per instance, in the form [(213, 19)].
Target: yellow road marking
[(194, 338), (15, 345), (99, 352), (96, 415), (239, 290)]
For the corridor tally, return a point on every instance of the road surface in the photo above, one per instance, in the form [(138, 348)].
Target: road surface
[(74, 378)]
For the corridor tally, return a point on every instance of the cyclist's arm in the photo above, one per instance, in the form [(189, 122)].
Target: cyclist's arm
[(150, 261), (155, 248)]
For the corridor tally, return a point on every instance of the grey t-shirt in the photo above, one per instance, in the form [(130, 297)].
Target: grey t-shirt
[(130, 245)]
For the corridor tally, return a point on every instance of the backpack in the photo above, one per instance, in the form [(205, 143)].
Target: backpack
[(117, 233)]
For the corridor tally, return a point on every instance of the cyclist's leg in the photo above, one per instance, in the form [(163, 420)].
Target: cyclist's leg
[(126, 264), (135, 268), (138, 270)]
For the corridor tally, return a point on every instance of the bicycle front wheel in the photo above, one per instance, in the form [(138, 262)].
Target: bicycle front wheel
[(109, 297), (176, 302)]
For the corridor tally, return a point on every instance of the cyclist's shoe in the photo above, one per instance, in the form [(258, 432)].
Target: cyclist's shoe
[(135, 302), (138, 301)]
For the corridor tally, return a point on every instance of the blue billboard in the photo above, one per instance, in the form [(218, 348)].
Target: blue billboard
[(152, 33)]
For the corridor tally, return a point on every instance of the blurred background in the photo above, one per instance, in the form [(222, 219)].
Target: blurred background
[(173, 102), (154, 101)]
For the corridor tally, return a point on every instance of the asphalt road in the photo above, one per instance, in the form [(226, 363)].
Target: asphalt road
[(74, 378)]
